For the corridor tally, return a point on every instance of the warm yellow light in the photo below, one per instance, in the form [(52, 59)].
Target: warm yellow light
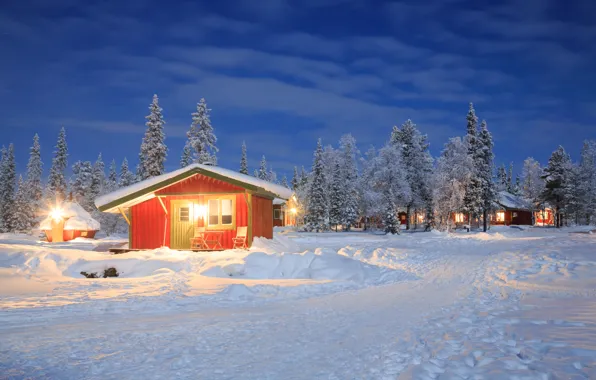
[(200, 211), (294, 198), (56, 214), (293, 210), (500, 216)]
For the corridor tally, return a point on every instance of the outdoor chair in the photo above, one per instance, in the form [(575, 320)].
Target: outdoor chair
[(240, 239), (198, 239)]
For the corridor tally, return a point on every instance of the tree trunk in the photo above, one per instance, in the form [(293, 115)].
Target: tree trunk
[(407, 217), (484, 220)]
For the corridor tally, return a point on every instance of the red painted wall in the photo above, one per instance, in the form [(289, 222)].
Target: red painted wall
[(147, 222), (262, 217), (278, 222), (70, 234)]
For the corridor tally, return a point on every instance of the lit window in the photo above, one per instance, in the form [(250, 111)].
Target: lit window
[(221, 212), (459, 217), (500, 216)]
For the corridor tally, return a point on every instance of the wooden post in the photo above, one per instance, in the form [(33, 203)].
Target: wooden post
[(248, 198)]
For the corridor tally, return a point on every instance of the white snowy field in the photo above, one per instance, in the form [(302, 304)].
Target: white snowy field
[(510, 304)]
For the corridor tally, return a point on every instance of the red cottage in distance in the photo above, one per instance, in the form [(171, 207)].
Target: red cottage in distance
[(166, 210)]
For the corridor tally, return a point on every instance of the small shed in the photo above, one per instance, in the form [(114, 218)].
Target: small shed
[(166, 210), (68, 221), (511, 209)]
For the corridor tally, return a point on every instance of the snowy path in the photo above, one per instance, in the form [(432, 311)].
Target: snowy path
[(475, 309)]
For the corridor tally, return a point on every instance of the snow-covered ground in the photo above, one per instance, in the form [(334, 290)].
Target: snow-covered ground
[(510, 304)]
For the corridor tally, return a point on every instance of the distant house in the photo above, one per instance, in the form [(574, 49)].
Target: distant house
[(169, 209), (68, 221), (285, 212), (511, 209)]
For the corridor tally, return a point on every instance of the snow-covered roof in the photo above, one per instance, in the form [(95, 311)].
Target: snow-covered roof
[(144, 190), (511, 201), (75, 218)]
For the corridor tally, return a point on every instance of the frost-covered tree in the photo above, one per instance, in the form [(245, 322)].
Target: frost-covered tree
[(272, 176), (418, 164), (153, 148), (186, 158), (262, 173), (109, 222), (96, 187), (473, 196), (22, 209), (510, 179), (316, 215), (348, 180), (295, 179), (390, 221), (201, 138), (336, 197), (369, 198), (33, 184), (587, 181), (532, 183), (284, 182), (243, 160), (7, 189), (556, 177), (502, 178), (80, 182), (303, 177), (57, 181), (255, 173), (127, 177), (484, 171), (452, 175)]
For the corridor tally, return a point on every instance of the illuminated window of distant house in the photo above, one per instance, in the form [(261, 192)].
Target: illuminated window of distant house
[(459, 217), (184, 215), (500, 216)]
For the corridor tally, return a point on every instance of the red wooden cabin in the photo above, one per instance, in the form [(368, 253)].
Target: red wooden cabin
[(511, 209), (164, 210)]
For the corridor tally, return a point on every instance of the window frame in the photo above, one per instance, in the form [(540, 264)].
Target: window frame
[(278, 212), (219, 225)]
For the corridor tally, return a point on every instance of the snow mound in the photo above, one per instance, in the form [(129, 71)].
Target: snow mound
[(318, 265), (76, 218)]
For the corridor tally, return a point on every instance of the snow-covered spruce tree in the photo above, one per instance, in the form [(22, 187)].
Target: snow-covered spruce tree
[(80, 182), (473, 197), (284, 182), (484, 166), (127, 177), (510, 179), (255, 173), (349, 180), (243, 160), (369, 198), (186, 158), (303, 177), (317, 211), (57, 181), (336, 197), (98, 177), (556, 177), (262, 173), (532, 184), (153, 148), (587, 181), (295, 179), (330, 157), (390, 221), (109, 222), (33, 184), (20, 216), (451, 177), (573, 198), (418, 164), (201, 138), (502, 178), (272, 176), (390, 180), (7, 189)]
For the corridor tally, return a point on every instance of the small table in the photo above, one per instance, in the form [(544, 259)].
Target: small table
[(211, 240)]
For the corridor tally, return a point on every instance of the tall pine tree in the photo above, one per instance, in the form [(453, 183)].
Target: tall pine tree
[(336, 197), (556, 177), (473, 197), (295, 179), (484, 167), (317, 197), (153, 148), (348, 180), (22, 210), (243, 160), (127, 177), (57, 181), (186, 158), (201, 138), (33, 184), (7, 189), (262, 173)]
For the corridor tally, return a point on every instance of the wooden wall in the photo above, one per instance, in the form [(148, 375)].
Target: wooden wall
[(262, 217)]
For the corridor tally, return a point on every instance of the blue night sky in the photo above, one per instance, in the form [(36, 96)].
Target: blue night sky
[(281, 73)]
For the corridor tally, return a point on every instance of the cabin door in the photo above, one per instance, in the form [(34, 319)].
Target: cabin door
[(182, 224)]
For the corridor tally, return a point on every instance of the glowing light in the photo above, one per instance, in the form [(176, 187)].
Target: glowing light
[(294, 198), (200, 211), (500, 216), (56, 214), (459, 217), (293, 210)]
